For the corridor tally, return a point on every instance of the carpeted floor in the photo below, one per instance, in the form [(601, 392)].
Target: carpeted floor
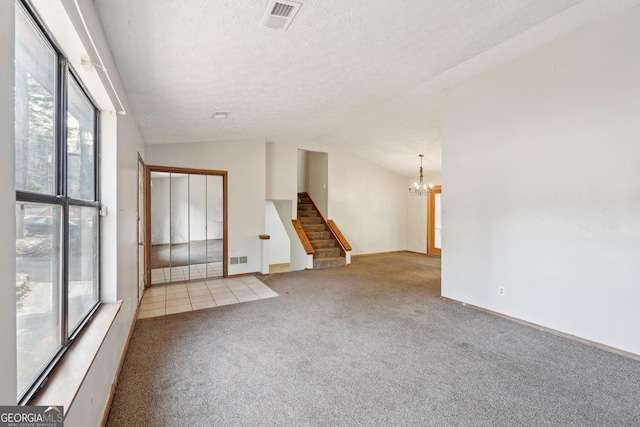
[(371, 344)]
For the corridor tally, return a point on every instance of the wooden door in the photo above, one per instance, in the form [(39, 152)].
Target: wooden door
[(434, 232)]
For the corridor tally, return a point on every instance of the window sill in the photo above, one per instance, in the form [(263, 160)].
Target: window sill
[(69, 374)]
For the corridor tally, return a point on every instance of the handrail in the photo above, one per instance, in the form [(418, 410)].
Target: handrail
[(336, 232), (306, 244)]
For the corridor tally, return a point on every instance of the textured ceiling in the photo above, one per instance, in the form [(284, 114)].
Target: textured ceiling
[(363, 75)]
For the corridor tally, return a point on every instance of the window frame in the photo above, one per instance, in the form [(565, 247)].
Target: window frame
[(64, 73)]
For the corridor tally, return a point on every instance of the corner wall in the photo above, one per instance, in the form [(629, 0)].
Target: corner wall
[(279, 243), (540, 168), (245, 163), (367, 202)]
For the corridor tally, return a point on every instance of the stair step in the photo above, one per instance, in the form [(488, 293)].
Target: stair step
[(325, 243), (318, 235), (312, 228), (304, 214), (304, 200), (310, 220), (329, 262), (305, 207), (326, 253)]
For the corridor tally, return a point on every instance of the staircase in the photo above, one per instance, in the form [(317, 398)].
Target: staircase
[(327, 252)]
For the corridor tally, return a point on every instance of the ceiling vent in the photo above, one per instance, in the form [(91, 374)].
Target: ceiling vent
[(280, 14)]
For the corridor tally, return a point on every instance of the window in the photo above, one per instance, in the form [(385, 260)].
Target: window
[(57, 204)]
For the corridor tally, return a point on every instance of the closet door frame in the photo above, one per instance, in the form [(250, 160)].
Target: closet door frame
[(189, 171)]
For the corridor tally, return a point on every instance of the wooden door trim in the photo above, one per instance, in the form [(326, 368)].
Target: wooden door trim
[(147, 225), (431, 250), (142, 166)]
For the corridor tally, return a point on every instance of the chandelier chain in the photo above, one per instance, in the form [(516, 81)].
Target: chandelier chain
[(420, 188)]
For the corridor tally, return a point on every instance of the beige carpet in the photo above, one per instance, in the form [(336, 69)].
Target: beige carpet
[(371, 344)]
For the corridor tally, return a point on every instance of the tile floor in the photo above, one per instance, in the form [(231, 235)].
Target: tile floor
[(178, 298)]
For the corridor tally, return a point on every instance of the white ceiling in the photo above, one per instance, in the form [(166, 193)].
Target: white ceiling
[(363, 75)]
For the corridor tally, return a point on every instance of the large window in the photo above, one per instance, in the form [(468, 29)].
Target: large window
[(57, 204)]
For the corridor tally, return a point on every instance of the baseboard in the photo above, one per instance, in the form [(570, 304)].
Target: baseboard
[(378, 253), (112, 392), (395, 252), (551, 331), (232, 276), (422, 253)]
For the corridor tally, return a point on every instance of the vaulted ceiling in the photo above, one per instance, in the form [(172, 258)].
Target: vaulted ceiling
[(363, 75)]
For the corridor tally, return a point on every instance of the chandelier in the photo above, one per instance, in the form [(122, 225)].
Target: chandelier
[(420, 188)]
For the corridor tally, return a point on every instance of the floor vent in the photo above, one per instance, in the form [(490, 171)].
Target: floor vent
[(279, 14)]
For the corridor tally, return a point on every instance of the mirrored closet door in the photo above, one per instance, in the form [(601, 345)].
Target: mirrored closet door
[(187, 225)]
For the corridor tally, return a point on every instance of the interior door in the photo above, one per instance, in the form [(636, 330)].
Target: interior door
[(141, 227), (435, 222)]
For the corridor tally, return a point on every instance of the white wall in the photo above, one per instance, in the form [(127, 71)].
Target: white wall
[(302, 170), (313, 178), (245, 162), (317, 180), (281, 182), (8, 365), (541, 166), (279, 243), (367, 202), (298, 258)]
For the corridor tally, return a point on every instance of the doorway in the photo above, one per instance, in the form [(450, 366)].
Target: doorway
[(187, 224), (434, 232), (313, 177)]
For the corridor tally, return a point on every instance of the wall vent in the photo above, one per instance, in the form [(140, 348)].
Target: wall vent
[(242, 260), (279, 14), (233, 260)]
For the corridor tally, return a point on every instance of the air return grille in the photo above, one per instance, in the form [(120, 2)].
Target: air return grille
[(283, 10), (280, 14)]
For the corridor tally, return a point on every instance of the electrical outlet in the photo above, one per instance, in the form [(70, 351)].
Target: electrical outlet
[(501, 291)]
